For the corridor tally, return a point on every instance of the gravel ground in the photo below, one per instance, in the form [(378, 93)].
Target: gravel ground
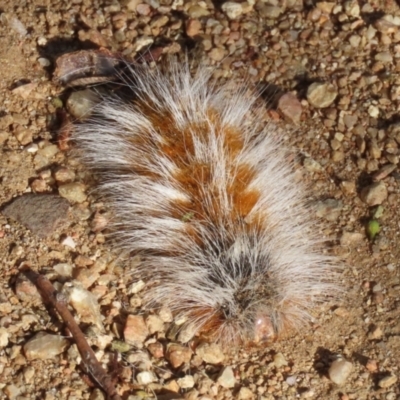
[(336, 66)]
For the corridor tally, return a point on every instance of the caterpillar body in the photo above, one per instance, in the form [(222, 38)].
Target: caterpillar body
[(200, 186)]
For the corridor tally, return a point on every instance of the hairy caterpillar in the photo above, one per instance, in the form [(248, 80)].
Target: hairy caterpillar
[(199, 185)]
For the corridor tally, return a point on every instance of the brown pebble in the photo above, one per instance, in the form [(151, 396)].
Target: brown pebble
[(99, 222), (143, 9), (193, 27), (135, 330), (290, 106), (64, 175), (387, 381), (372, 365), (83, 261), (378, 298), (156, 349), (376, 333), (26, 290), (374, 194), (383, 172), (39, 186), (177, 354)]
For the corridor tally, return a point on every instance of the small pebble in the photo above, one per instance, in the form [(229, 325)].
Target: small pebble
[(387, 381), (312, 165), (44, 62), (384, 172), (44, 346), (321, 95), (146, 377), (290, 106), (374, 194), (69, 242), (154, 324), (227, 378), (64, 175), (73, 192), (372, 365), (232, 10), (135, 330), (186, 382), (4, 335), (177, 354), (156, 349), (210, 353), (136, 287), (373, 111), (351, 238), (245, 394), (193, 27), (339, 371), (279, 360), (329, 209), (63, 269), (84, 303), (375, 334)]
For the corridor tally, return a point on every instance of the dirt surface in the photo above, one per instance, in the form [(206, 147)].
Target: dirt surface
[(353, 49)]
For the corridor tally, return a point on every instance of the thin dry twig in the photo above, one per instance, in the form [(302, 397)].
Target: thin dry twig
[(57, 300)]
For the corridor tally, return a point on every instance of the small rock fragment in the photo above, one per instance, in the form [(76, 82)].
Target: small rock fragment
[(73, 192), (97, 394), (193, 27), (372, 365), (227, 378), (12, 391), (186, 382), (385, 171), (136, 287), (186, 333), (4, 335), (210, 353), (232, 10), (321, 95), (25, 90), (145, 377), (339, 371), (329, 209), (349, 187), (154, 323), (81, 102), (135, 331), (374, 194), (279, 360), (69, 242), (44, 346), (156, 349), (177, 354), (351, 238), (217, 54), (40, 213), (64, 175), (373, 111), (84, 303), (312, 165), (375, 334), (387, 381), (26, 290), (245, 394), (290, 106)]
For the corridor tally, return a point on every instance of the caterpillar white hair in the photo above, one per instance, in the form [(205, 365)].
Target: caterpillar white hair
[(200, 186)]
